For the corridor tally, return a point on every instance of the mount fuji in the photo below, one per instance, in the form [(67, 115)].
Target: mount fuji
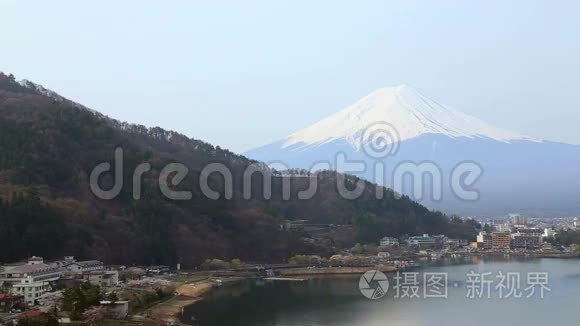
[(400, 125)]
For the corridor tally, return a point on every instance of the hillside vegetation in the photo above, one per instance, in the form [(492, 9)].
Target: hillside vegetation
[(49, 146)]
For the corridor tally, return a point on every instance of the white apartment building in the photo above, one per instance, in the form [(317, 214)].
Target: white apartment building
[(389, 241), (549, 233), (31, 280)]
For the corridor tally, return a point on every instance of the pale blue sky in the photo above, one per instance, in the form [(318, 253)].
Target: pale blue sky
[(240, 74)]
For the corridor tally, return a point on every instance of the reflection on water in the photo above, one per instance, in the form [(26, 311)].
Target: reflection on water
[(337, 301)]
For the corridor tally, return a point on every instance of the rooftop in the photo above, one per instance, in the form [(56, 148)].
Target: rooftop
[(87, 263), (31, 269)]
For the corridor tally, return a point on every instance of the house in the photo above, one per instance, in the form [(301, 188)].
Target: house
[(389, 241), (451, 244), (384, 255), (157, 270), (117, 309), (34, 260), (81, 267), (30, 280), (102, 278)]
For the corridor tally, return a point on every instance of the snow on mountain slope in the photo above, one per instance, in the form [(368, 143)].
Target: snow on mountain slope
[(409, 112), (521, 173), (52, 94)]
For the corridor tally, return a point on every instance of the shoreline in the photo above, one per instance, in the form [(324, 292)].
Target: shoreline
[(188, 293), (185, 294), (334, 270)]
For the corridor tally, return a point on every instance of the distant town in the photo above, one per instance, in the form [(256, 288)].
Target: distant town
[(514, 234), (36, 287)]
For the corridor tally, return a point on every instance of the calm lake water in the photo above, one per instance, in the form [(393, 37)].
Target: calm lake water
[(330, 301)]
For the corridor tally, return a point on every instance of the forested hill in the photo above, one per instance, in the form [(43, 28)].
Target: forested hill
[(49, 146)]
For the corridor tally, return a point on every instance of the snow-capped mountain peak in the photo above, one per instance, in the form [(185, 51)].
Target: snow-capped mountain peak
[(405, 110)]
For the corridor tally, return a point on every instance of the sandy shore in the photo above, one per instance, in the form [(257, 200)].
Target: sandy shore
[(185, 295), (188, 293)]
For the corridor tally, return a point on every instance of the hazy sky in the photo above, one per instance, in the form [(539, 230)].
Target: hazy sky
[(240, 74)]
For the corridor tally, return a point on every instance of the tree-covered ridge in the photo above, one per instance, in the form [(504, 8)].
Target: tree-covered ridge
[(49, 146), (29, 226)]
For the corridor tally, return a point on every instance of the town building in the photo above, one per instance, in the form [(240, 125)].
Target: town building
[(527, 238), (34, 260), (501, 240), (389, 241), (116, 310), (503, 227), (549, 233), (66, 261), (425, 241), (451, 244), (383, 255), (484, 240), (157, 270), (518, 220), (530, 231), (30, 280), (102, 278), (81, 267), (528, 242)]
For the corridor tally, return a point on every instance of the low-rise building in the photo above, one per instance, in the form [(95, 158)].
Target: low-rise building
[(501, 240), (529, 242), (426, 241), (549, 233), (102, 278), (527, 238), (116, 310), (451, 244), (64, 262), (383, 255), (157, 270), (530, 231), (389, 241), (30, 280), (484, 240), (81, 267)]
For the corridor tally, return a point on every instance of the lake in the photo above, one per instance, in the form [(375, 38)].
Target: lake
[(330, 301)]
